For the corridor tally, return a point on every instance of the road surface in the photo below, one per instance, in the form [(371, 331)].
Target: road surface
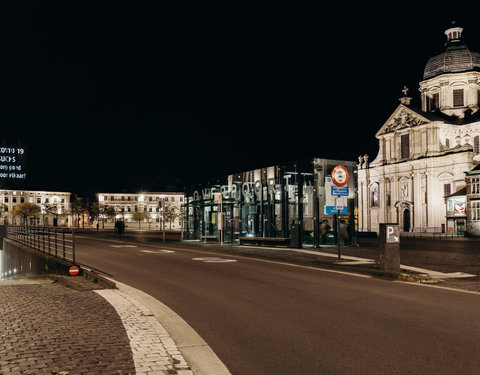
[(268, 318)]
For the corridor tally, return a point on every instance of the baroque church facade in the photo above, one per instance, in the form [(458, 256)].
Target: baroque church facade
[(425, 152)]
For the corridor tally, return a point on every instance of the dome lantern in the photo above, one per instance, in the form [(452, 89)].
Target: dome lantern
[(454, 33), (456, 58)]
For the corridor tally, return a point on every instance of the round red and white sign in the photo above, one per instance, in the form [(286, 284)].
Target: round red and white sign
[(340, 175), (73, 271)]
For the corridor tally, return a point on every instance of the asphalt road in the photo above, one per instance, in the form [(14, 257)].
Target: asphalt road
[(268, 318)]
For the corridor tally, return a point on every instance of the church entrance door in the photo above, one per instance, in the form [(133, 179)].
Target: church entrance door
[(406, 220)]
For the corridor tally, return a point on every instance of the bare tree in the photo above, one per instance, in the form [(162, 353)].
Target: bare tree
[(79, 208), (140, 216), (170, 213), (102, 211), (3, 209), (25, 210)]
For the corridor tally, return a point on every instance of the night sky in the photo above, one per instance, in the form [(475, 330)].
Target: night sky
[(133, 96)]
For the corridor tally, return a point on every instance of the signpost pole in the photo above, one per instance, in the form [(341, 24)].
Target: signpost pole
[(340, 179), (220, 220), (338, 231)]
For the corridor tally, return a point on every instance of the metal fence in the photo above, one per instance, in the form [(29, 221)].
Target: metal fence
[(433, 235), (57, 242)]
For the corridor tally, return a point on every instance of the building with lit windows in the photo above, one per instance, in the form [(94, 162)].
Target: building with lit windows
[(157, 208), (424, 152), (54, 207)]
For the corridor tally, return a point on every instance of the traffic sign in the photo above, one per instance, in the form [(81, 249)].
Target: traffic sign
[(340, 175), (393, 234), (340, 191), (73, 271), (330, 207), (340, 203)]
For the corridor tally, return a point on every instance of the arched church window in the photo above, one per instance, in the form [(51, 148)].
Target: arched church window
[(476, 144), (447, 143)]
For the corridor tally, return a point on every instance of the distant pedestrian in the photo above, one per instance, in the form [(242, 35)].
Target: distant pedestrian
[(324, 227), (119, 227), (342, 233)]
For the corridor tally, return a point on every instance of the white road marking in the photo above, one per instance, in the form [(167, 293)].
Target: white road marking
[(215, 260), (157, 251), (123, 246)]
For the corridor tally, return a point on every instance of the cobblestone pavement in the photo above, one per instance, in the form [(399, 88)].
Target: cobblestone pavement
[(48, 328)]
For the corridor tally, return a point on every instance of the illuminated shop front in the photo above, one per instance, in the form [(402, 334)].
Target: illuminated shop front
[(456, 216), (284, 201)]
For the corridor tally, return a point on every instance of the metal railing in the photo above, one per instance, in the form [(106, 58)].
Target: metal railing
[(433, 235), (54, 241)]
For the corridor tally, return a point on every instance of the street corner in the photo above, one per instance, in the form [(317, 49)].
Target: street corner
[(153, 349)]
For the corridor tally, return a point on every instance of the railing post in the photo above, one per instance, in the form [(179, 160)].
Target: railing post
[(48, 238), (73, 245), (56, 242), (63, 240)]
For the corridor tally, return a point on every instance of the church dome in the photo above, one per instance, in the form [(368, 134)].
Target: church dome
[(456, 58)]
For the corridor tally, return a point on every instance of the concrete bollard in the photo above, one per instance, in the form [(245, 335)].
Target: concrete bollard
[(389, 248)]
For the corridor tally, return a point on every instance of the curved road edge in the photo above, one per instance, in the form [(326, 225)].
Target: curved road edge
[(201, 358)]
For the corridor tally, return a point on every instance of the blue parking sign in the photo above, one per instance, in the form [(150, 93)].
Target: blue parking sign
[(340, 191)]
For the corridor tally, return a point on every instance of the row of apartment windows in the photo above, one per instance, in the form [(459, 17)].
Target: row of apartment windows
[(39, 200), (148, 199), (145, 209)]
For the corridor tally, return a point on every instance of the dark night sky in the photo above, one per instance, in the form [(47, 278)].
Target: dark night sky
[(130, 95)]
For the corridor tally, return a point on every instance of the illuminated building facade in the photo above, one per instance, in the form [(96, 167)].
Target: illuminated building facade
[(472, 204), (285, 201), (424, 153), (54, 207), (152, 205)]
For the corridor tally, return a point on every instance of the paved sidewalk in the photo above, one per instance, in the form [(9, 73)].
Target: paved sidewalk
[(49, 328)]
